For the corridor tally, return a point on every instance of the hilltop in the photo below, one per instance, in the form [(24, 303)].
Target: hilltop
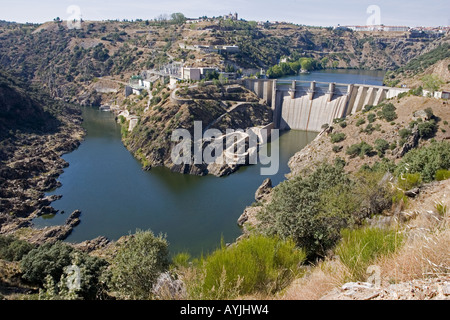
[(66, 61)]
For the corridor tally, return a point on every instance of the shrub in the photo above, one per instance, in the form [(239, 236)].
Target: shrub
[(388, 112), (381, 146), (404, 133), (360, 248), (426, 160), (337, 149), (337, 137), (295, 210), (429, 113), (137, 265), (360, 149), (325, 126), (442, 174), (427, 129), (369, 129), (360, 121), (343, 124), (256, 264), (12, 249), (49, 261), (371, 117), (409, 181)]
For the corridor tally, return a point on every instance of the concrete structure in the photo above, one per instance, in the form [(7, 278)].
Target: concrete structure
[(307, 106), (191, 73)]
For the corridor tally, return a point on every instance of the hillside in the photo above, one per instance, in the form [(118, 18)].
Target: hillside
[(430, 71), (35, 132), (215, 106), (67, 61)]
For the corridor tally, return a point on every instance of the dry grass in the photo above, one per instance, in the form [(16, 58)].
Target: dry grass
[(318, 282), (426, 253)]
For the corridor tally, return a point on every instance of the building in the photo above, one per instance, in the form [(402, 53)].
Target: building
[(190, 73), (231, 16)]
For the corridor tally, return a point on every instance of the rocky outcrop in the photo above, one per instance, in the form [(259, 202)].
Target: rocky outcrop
[(209, 105), (92, 245), (411, 143), (420, 289), (264, 190), (56, 233)]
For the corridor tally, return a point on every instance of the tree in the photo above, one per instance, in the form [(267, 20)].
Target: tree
[(178, 18), (137, 265), (297, 210), (307, 64), (432, 82)]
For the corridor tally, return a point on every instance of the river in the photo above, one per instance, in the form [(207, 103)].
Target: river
[(116, 197)]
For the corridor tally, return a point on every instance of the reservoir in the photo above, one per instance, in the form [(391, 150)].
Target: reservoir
[(116, 197)]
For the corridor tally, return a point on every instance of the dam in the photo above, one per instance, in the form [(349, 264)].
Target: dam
[(308, 105)]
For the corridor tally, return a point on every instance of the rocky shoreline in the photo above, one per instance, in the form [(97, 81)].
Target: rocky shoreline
[(31, 164)]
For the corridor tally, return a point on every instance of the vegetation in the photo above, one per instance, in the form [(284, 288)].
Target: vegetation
[(12, 249), (293, 68), (257, 264), (49, 262), (359, 248), (427, 129), (387, 112), (426, 161), (307, 210), (138, 264), (337, 137), (362, 149), (381, 146)]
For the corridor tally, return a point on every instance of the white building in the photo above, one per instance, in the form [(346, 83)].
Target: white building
[(191, 73)]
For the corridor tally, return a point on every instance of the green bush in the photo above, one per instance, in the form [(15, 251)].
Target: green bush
[(442, 175), (359, 248), (51, 260), (337, 149), (360, 121), (371, 117), (295, 210), (137, 265), (426, 160), (388, 112), (362, 149), (337, 137), (12, 249), (381, 146), (404, 133), (256, 264), (47, 259), (427, 129), (369, 129), (409, 181)]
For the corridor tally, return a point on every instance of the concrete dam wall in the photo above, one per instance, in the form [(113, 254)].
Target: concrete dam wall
[(307, 106)]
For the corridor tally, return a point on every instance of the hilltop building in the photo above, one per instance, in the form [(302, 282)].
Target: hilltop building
[(231, 16)]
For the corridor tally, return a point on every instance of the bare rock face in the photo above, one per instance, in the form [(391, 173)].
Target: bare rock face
[(56, 233), (94, 244), (411, 143), (264, 190)]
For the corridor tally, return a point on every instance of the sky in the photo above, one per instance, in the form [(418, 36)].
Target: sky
[(325, 13)]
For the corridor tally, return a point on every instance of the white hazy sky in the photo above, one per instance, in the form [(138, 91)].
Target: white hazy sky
[(312, 12)]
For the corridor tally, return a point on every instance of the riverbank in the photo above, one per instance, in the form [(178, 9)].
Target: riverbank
[(32, 165)]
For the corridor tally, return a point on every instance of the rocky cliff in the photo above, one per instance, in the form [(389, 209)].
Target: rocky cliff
[(35, 132)]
